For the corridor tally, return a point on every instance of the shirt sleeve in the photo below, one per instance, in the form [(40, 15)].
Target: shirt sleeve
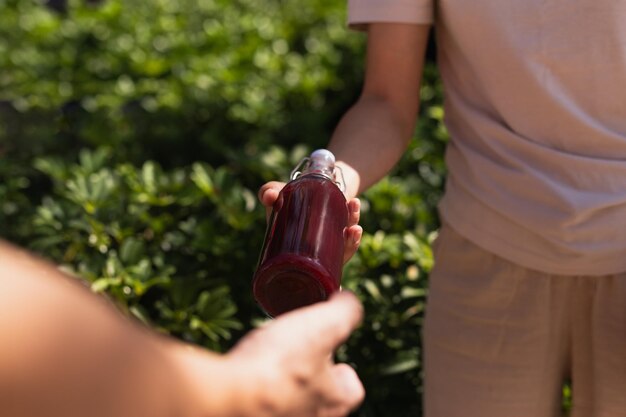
[(362, 12)]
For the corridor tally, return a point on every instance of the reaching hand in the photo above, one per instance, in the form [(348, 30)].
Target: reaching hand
[(289, 362), (352, 233), (284, 369)]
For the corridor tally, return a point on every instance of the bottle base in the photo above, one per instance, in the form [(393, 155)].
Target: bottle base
[(285, 287)]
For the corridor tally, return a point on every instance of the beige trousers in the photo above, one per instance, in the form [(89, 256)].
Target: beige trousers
[(500, 339)]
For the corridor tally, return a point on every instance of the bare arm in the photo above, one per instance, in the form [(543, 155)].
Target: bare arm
[(66, 352), (374, 133)]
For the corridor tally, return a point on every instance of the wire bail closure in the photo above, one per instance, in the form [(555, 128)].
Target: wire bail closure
[(302, 165)]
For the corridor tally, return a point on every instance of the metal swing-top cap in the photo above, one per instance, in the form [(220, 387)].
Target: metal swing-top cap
[(321, 161)]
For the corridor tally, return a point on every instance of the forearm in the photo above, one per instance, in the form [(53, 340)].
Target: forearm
[(375, 132), (369, 141), (67, 352)]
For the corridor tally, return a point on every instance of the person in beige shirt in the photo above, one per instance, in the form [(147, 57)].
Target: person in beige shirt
[(529, 285)]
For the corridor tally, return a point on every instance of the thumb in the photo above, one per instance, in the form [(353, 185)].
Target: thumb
[(346, 391), (322, 326), (348, 384)]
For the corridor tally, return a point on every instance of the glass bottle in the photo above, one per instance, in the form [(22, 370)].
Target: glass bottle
[(302, 257)]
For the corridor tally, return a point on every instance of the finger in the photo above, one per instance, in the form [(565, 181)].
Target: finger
[(268, 193), (321, 327), (352, 238), (354, 211), (345, 391)]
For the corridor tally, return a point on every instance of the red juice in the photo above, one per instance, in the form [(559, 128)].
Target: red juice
[(302, 257)]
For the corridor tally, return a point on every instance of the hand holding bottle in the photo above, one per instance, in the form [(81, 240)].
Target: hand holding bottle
[(310, 226), (268, 194)]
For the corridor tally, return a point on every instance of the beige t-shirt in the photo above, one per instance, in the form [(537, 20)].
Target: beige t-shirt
[(535, 101)]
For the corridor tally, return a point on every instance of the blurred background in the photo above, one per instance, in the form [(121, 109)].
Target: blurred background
[(134, 136)]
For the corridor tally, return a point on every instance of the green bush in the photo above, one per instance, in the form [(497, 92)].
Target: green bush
[(133, 138)]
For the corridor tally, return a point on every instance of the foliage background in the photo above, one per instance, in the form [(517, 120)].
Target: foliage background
[(133, 138)]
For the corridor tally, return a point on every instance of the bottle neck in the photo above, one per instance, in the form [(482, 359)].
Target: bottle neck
[(319, 169), (321, 162)]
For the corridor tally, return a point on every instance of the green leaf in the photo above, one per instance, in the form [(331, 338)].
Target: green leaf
[(372, 289), (149, 177), (408, 292), (201, 176), (131, 250), (103, 284), (400, 367)]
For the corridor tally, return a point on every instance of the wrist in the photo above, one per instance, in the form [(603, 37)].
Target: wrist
[(351, 178), (210, 385)]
